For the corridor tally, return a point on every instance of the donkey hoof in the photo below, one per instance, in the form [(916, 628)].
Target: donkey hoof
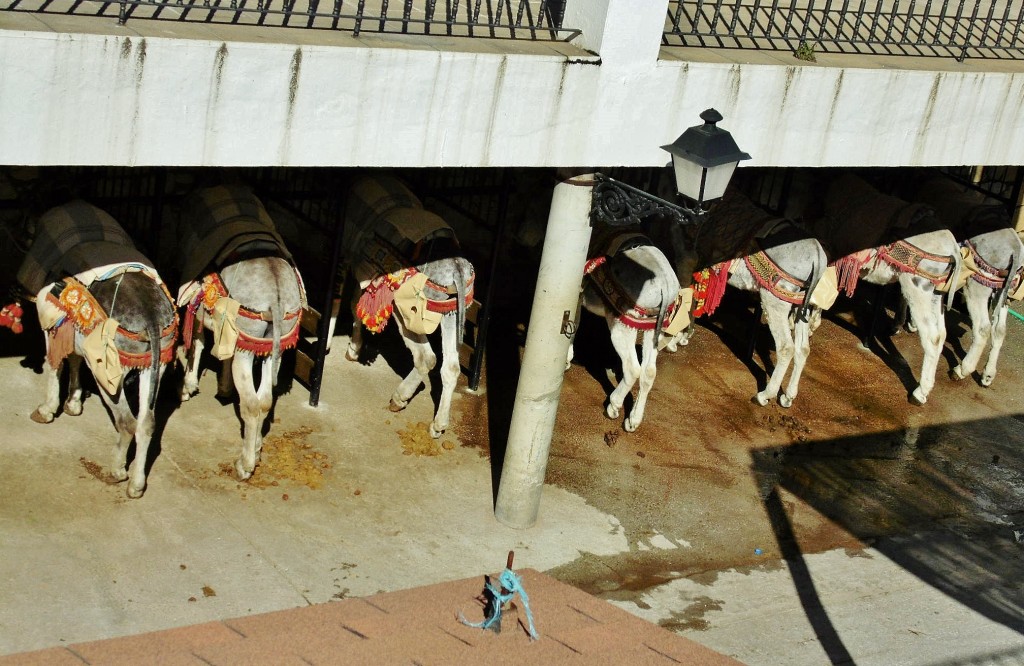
[(73, 407), (785, 401), (630, 425), (987, 380), (241, 472), (41, 417), (957, 373), (436, 432), (611, 411), (352, 354), (918, 397), (760, 399), (118, 475), (397, 405), (135, 492)]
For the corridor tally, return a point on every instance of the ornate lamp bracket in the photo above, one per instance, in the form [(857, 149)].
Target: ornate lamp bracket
[(618, 204)]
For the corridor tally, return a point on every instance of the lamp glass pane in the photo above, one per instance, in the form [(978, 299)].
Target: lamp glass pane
[(717, 180), (688, 177)]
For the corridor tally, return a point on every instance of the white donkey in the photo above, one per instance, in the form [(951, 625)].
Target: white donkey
[(882, 239), (407, 263), (630, 283), (241, 284), (99, 299), (993, 266), (745, 247)]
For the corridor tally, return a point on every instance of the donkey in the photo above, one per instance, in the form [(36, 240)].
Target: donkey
[(99, 299), (882, 240), (630, 283), (408, 263), (241, 283), (993, 266), (749, 249)]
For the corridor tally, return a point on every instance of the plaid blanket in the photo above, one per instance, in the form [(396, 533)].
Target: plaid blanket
[(730, 231), (858, 217), (218, 221), (386, 226), (72, 239), (962, 210)]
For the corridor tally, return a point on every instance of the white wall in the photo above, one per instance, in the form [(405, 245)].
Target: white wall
[(152, 100)]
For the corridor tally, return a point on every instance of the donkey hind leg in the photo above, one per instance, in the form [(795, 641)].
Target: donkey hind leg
[(254, 404), (998, 336), (125, 424), (355, 343), (73, 403), (423, 361), (802, 342), (144, 426), (777, 312), (624, 341), (449, 375), (648, 372), (193, 357), (926, 309), (45, 412), (977, 298)]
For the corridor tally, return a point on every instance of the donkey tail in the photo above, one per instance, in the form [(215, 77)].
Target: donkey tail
[(954, 278), (153, 331), (1016, 261), (276, 324), (818, 269), (463, 275)]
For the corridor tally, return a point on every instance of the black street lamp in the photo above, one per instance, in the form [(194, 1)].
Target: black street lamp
[(704, 158)]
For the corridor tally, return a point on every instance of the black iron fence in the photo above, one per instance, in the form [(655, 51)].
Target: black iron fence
[(537, 20), (948, 28)]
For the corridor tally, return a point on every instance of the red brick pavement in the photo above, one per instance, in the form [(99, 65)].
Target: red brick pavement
[(415, 626)]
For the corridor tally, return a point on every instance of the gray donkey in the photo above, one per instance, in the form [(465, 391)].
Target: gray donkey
[(993, 265), (882, 239), (99, 299), (630, 283), (240, 282), (408, 264), (745, 247)]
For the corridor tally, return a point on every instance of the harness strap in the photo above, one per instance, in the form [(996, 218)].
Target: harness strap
[(987, 274), (624, 306), (213, 290), (769, 276), (450, 304), (906, 257), (85, 313)]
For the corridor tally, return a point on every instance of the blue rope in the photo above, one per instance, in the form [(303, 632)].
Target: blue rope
[(511, 582)]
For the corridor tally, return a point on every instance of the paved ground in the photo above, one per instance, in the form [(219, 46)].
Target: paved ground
[(849, 529)]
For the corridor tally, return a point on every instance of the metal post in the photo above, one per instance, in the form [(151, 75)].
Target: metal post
[(547, 347)]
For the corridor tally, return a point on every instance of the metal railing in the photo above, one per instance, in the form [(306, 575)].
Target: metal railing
[(536, 20), (947, 28)]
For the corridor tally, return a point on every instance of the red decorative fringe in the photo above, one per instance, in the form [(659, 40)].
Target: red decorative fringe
[(709, 288), (848, 271), (264, 346)]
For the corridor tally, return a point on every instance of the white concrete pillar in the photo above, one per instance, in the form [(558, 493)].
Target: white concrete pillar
[(622, 32), (540, 377)]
